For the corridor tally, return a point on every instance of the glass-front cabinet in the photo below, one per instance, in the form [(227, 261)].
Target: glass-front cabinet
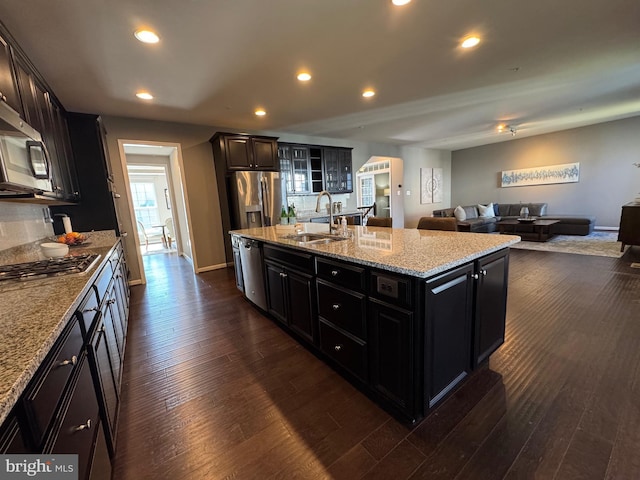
[(337, 170), (294, 168)]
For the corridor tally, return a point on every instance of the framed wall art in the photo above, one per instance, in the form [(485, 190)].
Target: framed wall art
[(565, 173)]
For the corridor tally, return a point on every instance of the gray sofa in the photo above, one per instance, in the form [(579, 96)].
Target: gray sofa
[(567, 225)]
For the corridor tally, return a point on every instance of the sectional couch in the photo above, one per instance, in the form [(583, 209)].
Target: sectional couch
[(473, 221)]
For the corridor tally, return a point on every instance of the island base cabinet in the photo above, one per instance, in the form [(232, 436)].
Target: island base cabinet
[(490, 305), (391, 354), (448, 318), (349, 352)]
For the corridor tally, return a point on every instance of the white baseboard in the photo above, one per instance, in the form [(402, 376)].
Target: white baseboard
[(211, 267), (606, 229), (135, 282)]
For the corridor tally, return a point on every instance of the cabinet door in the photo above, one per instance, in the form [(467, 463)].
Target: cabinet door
[(286, 167), (301, 170), (275, 291), (237, 152), (490, 305), (390, 350), (331, 165), (25, 85), (8, 85), (112, 340), (300, 303), (77, 432), (65, 156), (448, 310), (345, 176), (100, 361), (12, 440), (264, 153)]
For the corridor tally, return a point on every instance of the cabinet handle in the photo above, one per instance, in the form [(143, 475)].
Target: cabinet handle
[(283, 275), (335, 273), (483, 272), (92, 309), (111, 301), (85, 426), (336, 306), (337, 348), (475, 276), (73, 361)]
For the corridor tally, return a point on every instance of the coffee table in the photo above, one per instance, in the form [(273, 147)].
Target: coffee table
[(538, 231)]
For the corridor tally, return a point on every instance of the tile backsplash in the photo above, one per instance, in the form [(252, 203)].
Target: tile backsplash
[(22, 223)]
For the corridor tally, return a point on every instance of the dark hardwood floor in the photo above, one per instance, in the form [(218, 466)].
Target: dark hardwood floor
[(214, 390)]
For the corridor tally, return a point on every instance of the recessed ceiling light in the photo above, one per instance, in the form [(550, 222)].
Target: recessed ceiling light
[(368, 93), (146, 36), (304, 76), (260, 112), (399, 3), (470, 42), (144, 95), (501, 127)]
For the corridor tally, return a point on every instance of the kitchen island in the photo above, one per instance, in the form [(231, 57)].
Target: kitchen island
[(405, 315)]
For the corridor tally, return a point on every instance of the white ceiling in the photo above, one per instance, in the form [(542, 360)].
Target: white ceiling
[(542, 66)]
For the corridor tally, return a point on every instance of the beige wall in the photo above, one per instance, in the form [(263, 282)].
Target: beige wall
[(201, 189), (605, 151), (414, 159)]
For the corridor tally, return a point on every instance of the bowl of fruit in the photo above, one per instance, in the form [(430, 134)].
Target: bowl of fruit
[(72, 239)]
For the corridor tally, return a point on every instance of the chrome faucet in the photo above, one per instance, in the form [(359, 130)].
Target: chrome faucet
[(324, 192)]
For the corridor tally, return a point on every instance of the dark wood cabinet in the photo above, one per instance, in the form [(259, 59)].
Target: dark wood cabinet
[(629, 233), (8, 85), (96, 209), (347, 351), (490, 305), (448, 313), (246, 152), (295, 168), (12, 440), (391, 336), (291, 296), (337, 164)]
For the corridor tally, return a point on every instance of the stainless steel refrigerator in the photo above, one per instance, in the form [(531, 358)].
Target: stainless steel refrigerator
[(256, 198)]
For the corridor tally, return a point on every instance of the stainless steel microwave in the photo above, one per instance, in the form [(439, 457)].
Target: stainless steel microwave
[(24, 162)]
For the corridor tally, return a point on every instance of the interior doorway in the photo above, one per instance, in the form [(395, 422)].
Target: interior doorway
[(157, 199), (379, 184)]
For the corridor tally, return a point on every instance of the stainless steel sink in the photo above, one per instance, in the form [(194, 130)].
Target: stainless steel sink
[(314, 238)]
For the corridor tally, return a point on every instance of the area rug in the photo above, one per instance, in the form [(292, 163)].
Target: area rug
[(603, 244)]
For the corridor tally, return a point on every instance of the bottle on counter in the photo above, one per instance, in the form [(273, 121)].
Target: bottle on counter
[(284, 217), (345, 230), (292, 214)]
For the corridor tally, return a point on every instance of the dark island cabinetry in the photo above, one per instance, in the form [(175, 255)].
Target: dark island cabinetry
[(408, 342), (629, 233), (291, 289)]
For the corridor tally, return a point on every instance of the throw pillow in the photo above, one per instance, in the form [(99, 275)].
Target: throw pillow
[(496, 209), (459, 213), (486, 211)]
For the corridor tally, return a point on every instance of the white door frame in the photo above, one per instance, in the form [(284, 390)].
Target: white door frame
[(180, 164)]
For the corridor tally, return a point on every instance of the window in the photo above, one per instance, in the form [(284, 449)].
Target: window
[(366, 190), (145, 203)]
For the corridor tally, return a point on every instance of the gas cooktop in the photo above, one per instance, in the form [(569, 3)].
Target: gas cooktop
[(53, 267)]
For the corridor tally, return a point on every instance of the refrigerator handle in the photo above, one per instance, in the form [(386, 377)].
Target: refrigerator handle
[(266, 208)]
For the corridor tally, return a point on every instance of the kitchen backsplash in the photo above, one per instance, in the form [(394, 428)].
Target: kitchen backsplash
[(22, 223), (307, 203)]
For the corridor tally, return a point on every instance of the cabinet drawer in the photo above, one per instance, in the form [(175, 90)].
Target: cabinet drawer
[(301, 261), (11, 438), (102, 283), (347, 351), (87, 311), (77, 432), (343, 274), (43, 394), (343, 308)]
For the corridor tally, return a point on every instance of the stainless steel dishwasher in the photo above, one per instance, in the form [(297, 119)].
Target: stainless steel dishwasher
[(252, 273)]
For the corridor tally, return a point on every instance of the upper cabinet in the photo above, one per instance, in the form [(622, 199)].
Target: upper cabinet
[(8, 88), (309, 169), (246, 152), (337, 170), (24, 90)]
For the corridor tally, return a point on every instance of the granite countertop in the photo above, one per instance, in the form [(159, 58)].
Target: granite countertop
[(33, 313), (419, 253)]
